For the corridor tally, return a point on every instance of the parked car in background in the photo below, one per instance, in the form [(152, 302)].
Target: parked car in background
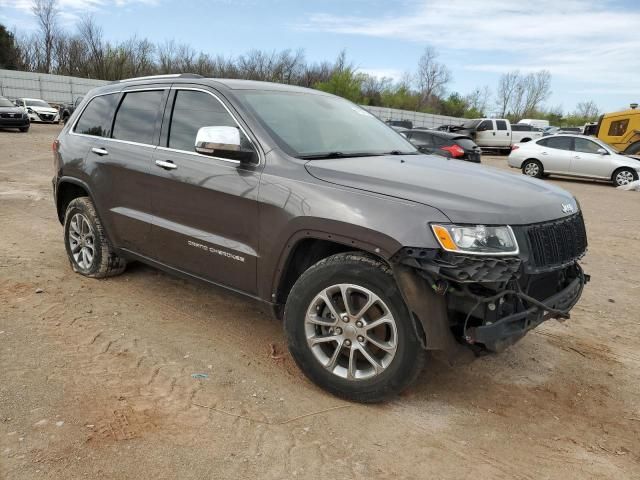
[(534, 122), (522, 133), (621, 130), (39, 110), (12, 116), (449, 145), (550, 130), (570, 130), (496, 133), (66, 109), (575, 156)]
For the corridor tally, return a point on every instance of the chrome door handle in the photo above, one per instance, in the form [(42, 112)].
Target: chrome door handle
[(167, 165), (100, 151)]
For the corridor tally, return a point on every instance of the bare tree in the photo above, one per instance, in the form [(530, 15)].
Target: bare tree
[(519, 95), (478, 100), (91, 35), (432, 76), (46, 12), (587, 110), (507, 90)]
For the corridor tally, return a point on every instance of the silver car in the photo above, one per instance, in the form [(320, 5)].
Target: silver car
[(574, 156)]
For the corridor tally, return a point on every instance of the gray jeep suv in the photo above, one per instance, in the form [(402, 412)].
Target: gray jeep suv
[(371, 252)]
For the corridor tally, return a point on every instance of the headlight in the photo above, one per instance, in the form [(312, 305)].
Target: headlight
[(477, 239)]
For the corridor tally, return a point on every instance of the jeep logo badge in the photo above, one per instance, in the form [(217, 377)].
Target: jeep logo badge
[(567, 208)]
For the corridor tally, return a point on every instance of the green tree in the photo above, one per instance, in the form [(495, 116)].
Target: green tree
[(9, 53), (346, 83)]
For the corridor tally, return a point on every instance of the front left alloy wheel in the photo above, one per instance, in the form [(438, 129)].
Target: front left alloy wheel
[(349, 330)]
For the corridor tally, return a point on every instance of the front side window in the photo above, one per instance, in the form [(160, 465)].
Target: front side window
[(560, 143), (193, 110), (586, 146), (618, 128), (501, 124), (485, 125), (136, 118), (316, 125), (96, 117)]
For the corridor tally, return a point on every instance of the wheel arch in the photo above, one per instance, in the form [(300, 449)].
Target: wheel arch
[(620, 168), (67, 189), (531, 159), (306, 248)]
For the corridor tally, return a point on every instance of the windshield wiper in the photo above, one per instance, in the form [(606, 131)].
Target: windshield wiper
[(320, 156), (398, 152)]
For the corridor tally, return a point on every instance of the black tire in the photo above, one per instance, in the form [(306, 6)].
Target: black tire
[(105, 261), (617, 178), (532, 168), (24, 129), (370, 273)]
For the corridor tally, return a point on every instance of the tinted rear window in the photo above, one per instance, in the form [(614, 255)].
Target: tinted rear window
[(96, 118), (560, 143), (501, 125), (136, 118), (420, 138)]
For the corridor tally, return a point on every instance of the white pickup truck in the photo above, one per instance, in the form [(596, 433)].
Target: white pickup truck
[(498, 133)]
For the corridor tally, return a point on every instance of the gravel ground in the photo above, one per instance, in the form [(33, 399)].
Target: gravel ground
[(96, 376)]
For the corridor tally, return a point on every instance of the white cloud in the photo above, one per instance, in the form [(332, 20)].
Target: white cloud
[(392, 73), (590, 42)]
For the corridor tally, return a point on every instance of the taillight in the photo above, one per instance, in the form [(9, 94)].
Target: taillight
[(514, 147), (455, 150), (55, 145)]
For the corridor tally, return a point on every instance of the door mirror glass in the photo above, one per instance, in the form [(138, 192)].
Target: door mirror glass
[(224, 142), (602, 151)]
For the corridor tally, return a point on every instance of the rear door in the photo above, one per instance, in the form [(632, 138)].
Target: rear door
[(502, 133), (588, 162), (124, 158), (205, 208), (556, 153)]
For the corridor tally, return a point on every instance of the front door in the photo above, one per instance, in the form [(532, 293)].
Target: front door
[(205, 208), (486, 134), (587, 161)]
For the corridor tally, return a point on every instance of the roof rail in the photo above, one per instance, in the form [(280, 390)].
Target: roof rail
[(167, 75)]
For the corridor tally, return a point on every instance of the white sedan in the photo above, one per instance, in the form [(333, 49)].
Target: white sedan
[(574, 156)]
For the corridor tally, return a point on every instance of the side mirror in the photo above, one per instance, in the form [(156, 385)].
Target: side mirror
[(222, 142), (602, 151)]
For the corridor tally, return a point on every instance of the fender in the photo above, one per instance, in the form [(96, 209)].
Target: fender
[(358, 238)]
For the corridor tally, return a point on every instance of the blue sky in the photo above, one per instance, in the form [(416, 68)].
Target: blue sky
[(590, 48)]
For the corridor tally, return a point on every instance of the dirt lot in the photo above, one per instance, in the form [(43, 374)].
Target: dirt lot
[(96, 376)]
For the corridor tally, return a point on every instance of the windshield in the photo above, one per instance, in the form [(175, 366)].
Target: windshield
[(37, 103), (309, 125), (6, 103), (470, 124)]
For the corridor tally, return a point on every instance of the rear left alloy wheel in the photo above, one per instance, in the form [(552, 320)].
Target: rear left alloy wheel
[(88, 248), (532, 168), (349, 330)]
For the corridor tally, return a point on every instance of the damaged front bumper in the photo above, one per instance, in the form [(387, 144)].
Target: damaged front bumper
[(482, 302)]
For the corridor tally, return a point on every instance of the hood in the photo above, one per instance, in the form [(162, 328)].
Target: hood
[(12, 110), (464, 192), (44, 109)]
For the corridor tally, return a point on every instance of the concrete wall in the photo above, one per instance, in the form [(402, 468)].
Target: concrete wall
[(52, 88), (62, 89), (419, 119)]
